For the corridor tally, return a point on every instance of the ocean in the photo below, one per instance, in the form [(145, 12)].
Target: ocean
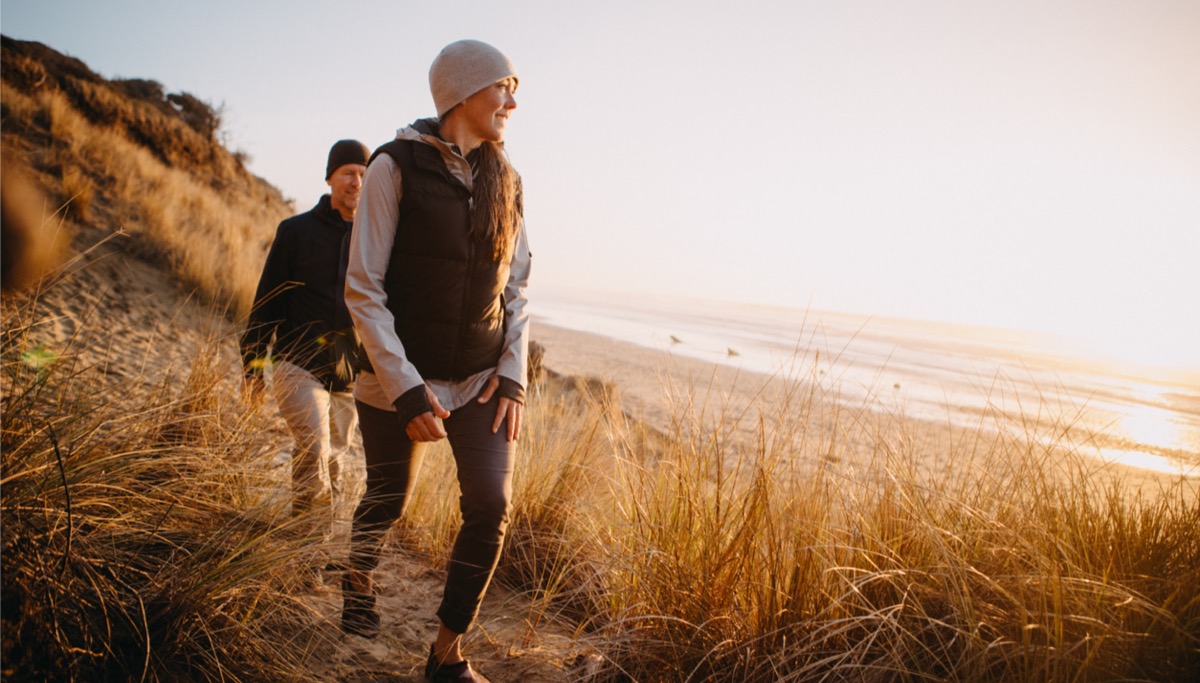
[(1142, 416)]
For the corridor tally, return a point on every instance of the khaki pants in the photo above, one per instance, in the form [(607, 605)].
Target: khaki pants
[(322, 423)]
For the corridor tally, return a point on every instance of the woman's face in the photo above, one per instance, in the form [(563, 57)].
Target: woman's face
[(486, 112)]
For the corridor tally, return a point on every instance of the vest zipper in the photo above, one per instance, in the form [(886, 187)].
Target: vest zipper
[(462, 318)]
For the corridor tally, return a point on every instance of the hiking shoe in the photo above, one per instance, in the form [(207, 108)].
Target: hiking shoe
[(436, 672), (359, 617)]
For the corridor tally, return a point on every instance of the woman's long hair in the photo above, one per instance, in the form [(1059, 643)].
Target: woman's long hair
[(497, 199)]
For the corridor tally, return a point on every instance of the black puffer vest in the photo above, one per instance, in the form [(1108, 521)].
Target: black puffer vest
[(444, 289)]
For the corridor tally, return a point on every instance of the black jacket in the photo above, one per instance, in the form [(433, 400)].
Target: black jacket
[(299, 307)]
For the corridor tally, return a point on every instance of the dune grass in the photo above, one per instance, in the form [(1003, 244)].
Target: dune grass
[(123, 157), (212, 238), (140, 541), (691, 555)]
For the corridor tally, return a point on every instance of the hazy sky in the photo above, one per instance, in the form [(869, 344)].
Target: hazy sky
[(1022, 164)]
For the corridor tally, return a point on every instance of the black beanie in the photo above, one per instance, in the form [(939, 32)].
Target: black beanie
[(346, 152)]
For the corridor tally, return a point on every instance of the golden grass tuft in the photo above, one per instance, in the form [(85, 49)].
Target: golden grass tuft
[(79, 191), (141, 541)]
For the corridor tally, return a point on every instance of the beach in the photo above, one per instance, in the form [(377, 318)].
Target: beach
[(815, 401)]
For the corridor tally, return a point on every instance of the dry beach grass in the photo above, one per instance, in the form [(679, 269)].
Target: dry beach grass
[(674, 521), (770, 533), (139, 541)]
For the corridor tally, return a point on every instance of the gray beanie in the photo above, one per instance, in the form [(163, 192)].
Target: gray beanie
[(346, 152), (462, 69)]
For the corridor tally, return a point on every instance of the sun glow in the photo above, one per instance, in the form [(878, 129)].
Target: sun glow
[(1161, 440), (1151, 425), (1150, 461)]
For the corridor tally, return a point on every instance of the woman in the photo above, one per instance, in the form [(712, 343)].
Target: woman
[(436, 287)]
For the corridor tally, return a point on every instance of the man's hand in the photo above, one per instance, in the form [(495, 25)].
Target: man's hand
[(427, 426), (508, 411)]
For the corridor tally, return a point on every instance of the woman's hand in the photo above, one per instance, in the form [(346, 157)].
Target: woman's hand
[(427, 426), (508, 411)]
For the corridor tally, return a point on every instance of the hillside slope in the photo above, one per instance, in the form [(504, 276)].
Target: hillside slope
[(126, 157)]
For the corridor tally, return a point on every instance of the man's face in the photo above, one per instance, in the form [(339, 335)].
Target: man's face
[(486, 112), (345, 186)]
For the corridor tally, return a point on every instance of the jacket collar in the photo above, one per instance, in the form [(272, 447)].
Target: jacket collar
[(325, 211), (434, 154)]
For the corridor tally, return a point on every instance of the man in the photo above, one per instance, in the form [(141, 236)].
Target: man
[(300, 313)]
